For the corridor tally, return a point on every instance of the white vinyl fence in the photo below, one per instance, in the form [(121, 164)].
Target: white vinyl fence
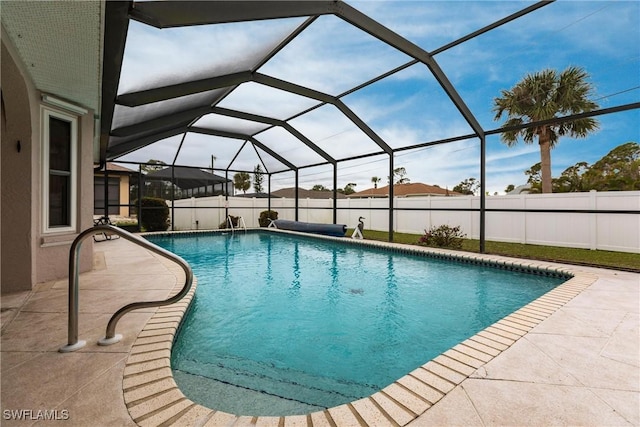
[(604, 231)]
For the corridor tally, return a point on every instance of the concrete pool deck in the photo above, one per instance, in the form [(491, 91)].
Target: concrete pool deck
[(570, 359)]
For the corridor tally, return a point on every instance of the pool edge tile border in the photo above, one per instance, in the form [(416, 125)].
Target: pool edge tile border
[(153, 398)]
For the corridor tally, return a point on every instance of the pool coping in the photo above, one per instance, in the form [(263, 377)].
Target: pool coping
[(152, 397)]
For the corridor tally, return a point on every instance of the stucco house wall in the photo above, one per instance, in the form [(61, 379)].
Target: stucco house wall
[(124, 195), (16, 192), (28, 255)]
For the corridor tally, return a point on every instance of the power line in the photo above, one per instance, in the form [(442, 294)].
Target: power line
[(618, 93)]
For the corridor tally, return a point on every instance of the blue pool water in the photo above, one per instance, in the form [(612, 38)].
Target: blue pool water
[(289, 325)]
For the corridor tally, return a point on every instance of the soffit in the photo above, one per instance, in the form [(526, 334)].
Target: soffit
[(60, 45)]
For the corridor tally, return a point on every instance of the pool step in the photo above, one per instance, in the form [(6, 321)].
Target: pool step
[(272, 382)]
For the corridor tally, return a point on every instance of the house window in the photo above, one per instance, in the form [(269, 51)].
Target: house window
[(113, 188), (59, 171)]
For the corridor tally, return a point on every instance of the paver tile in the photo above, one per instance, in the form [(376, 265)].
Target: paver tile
[(319, 419), (406, 398), (454, 409), (343, 416), (196, 415), (433, 380), (268, 422), (517, 403), (295, 421), (399, 414), (370, 413)]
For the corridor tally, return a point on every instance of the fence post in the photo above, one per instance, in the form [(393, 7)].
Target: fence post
[(253, 211), (593, 221), (221, 205), (429, 212), (194, 215), (523, 231), (471, 216)]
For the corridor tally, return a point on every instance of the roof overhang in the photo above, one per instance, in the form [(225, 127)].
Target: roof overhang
[(60, 45)]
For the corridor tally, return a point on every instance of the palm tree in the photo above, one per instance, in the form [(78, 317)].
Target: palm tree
[(547, 95), (242, 181), (375, 181)]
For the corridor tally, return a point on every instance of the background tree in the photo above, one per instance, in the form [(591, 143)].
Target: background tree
[(242, 181), (534, 178), (153, 165), (155, 187), (509, 188), (469, 186), (348, 189), (319, 187), (617, 170), (571, 179), (375, 180), (399, 176), (258, 179), (547, 95)]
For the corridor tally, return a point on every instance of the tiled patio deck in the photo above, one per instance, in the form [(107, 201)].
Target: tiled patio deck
[(580, 365)]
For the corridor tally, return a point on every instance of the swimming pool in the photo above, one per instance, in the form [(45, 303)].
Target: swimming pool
[(289, 325)]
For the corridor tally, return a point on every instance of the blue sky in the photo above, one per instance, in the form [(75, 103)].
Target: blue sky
[(409, 107)]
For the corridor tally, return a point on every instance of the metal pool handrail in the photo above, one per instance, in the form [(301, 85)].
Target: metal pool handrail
[(73, 343), (241, 223)]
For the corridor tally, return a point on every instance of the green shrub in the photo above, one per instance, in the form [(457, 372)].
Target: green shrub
[(266, 217), (443, 236), (155, 214), (129, 225), (234, 221)]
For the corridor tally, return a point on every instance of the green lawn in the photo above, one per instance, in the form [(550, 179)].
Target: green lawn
[(617, 260)]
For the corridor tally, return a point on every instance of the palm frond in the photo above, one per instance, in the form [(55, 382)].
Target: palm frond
[(545, 95)]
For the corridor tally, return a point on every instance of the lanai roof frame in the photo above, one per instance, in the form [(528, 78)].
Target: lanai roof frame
[(162, 14), (221, 12)]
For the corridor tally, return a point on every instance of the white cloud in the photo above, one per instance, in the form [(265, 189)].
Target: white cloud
[(432, 24), (175, 55), (163, 150), (331, 56), (266, 101)]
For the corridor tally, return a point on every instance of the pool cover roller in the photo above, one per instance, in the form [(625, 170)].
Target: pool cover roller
[(338, 230)]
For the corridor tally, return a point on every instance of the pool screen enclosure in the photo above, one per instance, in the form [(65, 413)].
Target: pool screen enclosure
[(251, 111)]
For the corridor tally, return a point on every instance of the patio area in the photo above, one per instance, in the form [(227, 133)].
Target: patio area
[(578, 366)]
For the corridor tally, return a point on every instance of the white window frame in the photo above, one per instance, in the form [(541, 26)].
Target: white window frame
[(72, 227)]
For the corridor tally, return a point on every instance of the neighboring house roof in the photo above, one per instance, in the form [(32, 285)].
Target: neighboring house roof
[(253, 195), (186, 178), (290, 193), (111, 167), (405, 190)]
